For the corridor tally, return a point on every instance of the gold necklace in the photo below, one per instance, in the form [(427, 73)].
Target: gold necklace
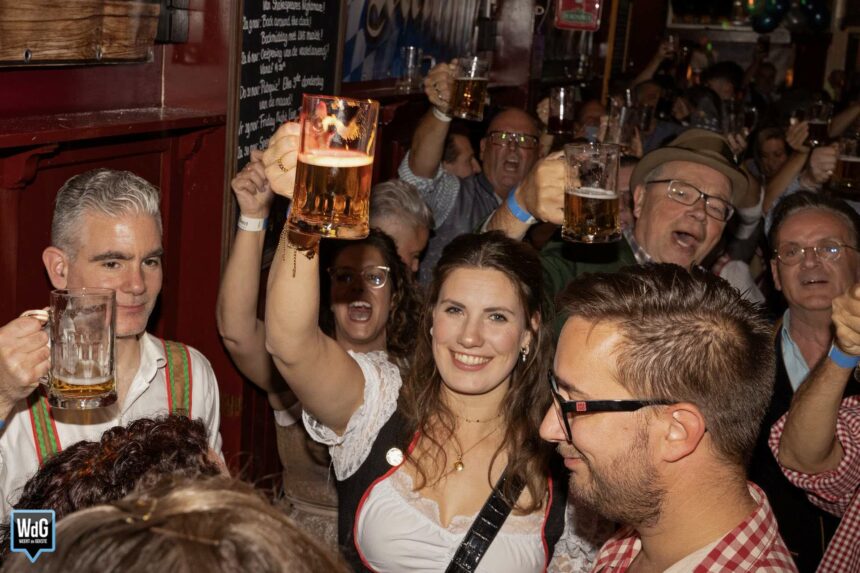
[(458, 465), (496, 417)]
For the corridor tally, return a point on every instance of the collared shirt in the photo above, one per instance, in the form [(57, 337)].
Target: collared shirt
[(754, 545), (459, 206), (147, 397), (836, 491), (792, 357), (639, 253)]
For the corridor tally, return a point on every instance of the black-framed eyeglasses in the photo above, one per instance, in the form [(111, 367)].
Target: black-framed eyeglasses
[(688, 194), (374, 276), (521, 140), (791, 254), (566, 408)]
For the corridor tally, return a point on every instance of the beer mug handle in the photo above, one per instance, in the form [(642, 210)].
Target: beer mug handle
[(430, 59), (44, 316)]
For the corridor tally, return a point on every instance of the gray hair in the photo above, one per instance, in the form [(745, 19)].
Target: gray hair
[(399, 200), (107, 191)]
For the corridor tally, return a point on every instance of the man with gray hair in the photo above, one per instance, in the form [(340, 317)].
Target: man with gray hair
[(398, 210), (106, 232)]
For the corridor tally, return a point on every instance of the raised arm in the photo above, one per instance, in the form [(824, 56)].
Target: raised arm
[(795, 137), (324, 378), (843, 120), (809, 443), (428, 142), (24, 358), (244, 334)]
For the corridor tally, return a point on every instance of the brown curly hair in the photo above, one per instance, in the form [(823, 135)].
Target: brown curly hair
[(528, 396), (405, 301), (88, 473)]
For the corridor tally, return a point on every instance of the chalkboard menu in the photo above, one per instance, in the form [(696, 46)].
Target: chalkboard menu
[(289, 47)]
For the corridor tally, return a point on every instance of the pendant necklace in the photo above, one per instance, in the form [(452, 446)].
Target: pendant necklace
[(458, 465)]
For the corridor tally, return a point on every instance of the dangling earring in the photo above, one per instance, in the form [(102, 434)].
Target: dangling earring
[(524, 351), (431, 332)]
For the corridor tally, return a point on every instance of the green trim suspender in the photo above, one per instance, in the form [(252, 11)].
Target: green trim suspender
[(42, 423), (177, 377)]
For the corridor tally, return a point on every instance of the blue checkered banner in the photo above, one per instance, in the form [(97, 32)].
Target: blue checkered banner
[(377, 29)]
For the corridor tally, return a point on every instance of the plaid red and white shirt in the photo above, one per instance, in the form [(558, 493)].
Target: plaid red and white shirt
[(754, 545), (836, 491)]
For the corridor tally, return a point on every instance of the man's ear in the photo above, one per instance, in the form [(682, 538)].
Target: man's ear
[(638, 198), (481, 146), (683, 431), (774, 270), (57, 264)]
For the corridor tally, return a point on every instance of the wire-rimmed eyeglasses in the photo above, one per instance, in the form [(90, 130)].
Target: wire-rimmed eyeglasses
[(791, 253), (688, 194)]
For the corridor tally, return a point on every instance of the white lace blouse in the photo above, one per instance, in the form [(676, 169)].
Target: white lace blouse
[(399, 530)]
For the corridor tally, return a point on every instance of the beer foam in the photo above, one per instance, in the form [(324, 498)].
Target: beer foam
[(336, 159), (79, 381), (594, 193)]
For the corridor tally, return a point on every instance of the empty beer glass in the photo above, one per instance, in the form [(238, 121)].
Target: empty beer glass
[(591, 193), (335, 163), (81, 326), (471, 78), (411, 62)]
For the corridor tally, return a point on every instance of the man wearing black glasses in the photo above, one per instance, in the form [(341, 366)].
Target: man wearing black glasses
[(814, 240), (683, 196), (508, 151), (660, 379)]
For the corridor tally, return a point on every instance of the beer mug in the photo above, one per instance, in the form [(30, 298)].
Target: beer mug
[(561, 110), (411, 61), (470, 88), (335, 162), (818, 115), (81, 327), (846, 176), (591, 193)]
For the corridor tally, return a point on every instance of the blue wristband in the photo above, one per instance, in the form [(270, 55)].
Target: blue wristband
[(841, 359), (517, 211), (2, 424)]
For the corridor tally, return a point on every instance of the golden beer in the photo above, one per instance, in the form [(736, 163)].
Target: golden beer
[(77, 388), (332, 194), (591, 215), (469, 97)]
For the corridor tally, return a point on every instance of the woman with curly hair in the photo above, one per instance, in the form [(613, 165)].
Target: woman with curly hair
[(416, 457), (369, 305)]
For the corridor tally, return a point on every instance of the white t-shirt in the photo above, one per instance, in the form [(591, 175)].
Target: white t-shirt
[(147, 398), (399, 530)]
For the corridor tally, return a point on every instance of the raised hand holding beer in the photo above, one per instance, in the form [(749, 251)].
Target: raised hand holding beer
[(591, 193), (439, 85), (24, 358), (542, 191), (280, 157)]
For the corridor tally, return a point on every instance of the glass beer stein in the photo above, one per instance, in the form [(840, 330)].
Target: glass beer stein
[(335, 163), (591, 193), (81, 327), (471, 79)]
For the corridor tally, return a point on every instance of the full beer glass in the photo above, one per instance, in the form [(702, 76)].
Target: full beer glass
[(470, 88), (335, 162), (81, 327), (591, 193)]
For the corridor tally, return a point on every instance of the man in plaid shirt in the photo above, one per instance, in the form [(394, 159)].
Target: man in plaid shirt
[(818, 442), (660, 381)]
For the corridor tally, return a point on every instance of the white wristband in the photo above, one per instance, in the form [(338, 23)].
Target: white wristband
[(252, 224), (441, 115)]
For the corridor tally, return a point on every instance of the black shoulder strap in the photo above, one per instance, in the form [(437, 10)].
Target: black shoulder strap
[(484, 529)]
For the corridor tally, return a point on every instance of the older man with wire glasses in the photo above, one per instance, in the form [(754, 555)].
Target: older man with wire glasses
[(508, 151), (683, 196), (814, 240)]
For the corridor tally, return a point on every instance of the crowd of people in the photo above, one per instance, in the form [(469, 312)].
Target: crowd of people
[(463, 390)]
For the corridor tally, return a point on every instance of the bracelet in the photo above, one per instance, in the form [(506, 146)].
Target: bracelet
[(841, 359), (2, 424), (251, 224), (441, 115), (521, 214)]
